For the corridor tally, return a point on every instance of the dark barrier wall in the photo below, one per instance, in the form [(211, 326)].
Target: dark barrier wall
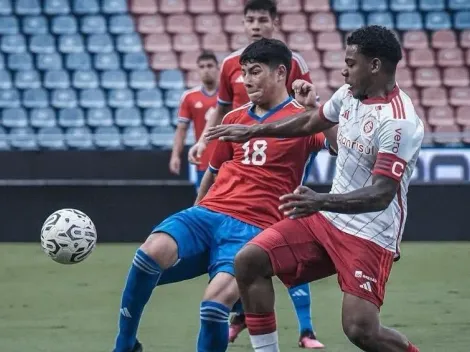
[(128, 213)]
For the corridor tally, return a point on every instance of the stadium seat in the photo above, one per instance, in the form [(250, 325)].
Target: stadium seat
[(427, 77), (18, 62), (164, 61), (201, 6), (230, 6), (51, 138), (294, 22), (233, 23), (150, 98), (42, 117), (155, 43), (333, 59), (113, 79), (171, 79), (335, 79), (374, 5), (456, 77), (107, 137), (56, 79), (56, 7), (238, 40), (215, 42), (345, 5), (444, 39), (42, 44), (23, 138), (121, 98), (4, 140), (139, 7), (27, 79), (192, 79), (317, 6), (135, 61), (466, 135), (85, 79), (121, 24), (403, 5), (312, 58), (9, 98), (79, 138), (459, 96), (434, 97), (186, 42), (162, 137), (2, 61), (415, 40), (441, 116), (168, 7), (129, 43), (318, 75), (64, 25), (35, 98), (404, 78), (142, 79), (85, 7), (172, 98), (106, 61), (462, 116), (432, 5), (71, 43), (179, 23), (114, 6), (6, 7), (187, 60), (14, 117), (350, 21), (136, 138), (447, 135), (92, 98), (413, 93), (126, 117), (96, 117), (450, 57), (9, 25), (34, 25), (78, 61), (289, 6), (93, 24), (408, 21), (13, 44), (437, 20), (27, 7), (100, 43), (48, 61), (64, 98), (462, 20), (381, 19), (300, 41), (459, 5), (329, 41), (421, 58), (322, 22), (156, 117), (5, 80), (150, 24)]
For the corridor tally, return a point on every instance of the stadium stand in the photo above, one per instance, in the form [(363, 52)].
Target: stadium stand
[(109, 73)]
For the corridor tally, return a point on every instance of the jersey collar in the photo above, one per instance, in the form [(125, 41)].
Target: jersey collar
[(271, 112), (383, 100)]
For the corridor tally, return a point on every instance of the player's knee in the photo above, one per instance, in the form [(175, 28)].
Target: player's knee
[(360, 330), (162, 248), (222, 289), (251, 262)]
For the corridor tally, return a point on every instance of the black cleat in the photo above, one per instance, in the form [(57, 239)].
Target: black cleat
[(138, 347)]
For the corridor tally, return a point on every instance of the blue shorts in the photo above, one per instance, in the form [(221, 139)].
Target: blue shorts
[(207, 242), (199, 176)]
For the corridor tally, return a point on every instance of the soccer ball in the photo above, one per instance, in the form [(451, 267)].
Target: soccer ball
[(68, 236)]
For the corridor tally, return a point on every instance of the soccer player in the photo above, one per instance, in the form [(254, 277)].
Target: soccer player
[(355, 230), (231, 209), (196, 105), (260, 21)]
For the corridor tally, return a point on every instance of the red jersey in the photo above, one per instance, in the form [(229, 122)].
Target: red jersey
[(252, 176), (232, 90), (195, 106)]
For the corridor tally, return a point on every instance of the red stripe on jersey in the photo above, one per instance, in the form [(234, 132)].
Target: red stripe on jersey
[(402, 107), (395, 170), (394, 107), (402, 217)]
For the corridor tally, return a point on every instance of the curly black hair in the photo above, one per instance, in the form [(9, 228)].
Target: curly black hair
[(377, 42), (271, 52), (261, 5)]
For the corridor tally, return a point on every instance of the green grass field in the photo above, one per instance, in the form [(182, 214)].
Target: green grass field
[(48, 307)]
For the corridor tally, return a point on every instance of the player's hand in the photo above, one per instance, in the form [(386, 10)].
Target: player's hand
[(229, 133), (193, 154), (305, 93), (175, 165), (302, 202)]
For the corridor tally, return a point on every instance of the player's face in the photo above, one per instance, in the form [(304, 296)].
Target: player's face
[(259, 24), (208, 71), (261, 82), (357, 72)]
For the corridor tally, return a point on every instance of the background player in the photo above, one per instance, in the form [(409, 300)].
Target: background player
[(239, 204), (356, 229), (196, 105), (260, 21)]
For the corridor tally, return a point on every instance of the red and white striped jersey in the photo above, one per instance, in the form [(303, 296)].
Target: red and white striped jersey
[(375, 136)]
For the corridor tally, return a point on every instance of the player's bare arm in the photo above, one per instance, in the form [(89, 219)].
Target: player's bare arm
[(206, 183), (178, 145)]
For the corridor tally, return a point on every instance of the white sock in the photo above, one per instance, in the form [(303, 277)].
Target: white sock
[(265, 343)]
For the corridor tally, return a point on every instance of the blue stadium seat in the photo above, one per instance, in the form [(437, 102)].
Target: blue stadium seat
[(78, 61), (2, 61), (48, 61), (42, 44), (107, 138), (173, 97), (121, 98), (64, 25), (162, 137), (4, 140), (114, 6), (34, 25), (27, 79), (113, 79), (9, 25), (350, 21), (403, 5), (27, 7), (13, 44), (56, 7), (93, 24), (462, 20), (121, 24), (142, 79), (79, 138), (85, 79), (100, 43), (35, 98), (149, 98), (85, 7), (380, 18), (459, 5), (14, 117), (174, 116), (71, 43), (136, 138), (23, 138), (51, 138), (64, 98), (71, 117), (157, 117), (107, 61), (5, 80), (374, 5), (135, 61), (171, 79), (129, 43), (345, 5), (126, 117), (17, 62), (437, 20), (432, 5), (92, 98), (43, 117), (99, 117), (5, 7), (9, 98), (56, 79), (408, 21)]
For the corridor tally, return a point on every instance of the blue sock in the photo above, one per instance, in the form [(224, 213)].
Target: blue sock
[(300, 296), (142, 279), (213, 333), (238, 307)]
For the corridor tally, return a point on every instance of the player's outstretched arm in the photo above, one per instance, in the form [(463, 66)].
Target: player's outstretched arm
[(206, 183)]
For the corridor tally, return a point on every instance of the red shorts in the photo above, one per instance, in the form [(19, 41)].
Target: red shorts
[(311, 248)]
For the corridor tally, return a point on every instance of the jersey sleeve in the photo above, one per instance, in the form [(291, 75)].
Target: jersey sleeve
[(225, 96), (299, 70), (317, 142), (331, 109), (399, 141), (184, 111), (223, 152)]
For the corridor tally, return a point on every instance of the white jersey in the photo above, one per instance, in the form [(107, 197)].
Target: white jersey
[(375, 136)]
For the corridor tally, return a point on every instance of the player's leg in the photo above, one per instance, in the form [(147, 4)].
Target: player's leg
[(180, 239), (199, 176), (287, 250)]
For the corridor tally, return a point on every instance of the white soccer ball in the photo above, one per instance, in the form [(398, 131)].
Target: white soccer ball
[(68, 236)]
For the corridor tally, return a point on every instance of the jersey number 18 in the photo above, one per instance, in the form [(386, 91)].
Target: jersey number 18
[(256, 155)]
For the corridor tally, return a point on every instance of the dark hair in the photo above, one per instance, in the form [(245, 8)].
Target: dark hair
[(377, 41), (261, 5), (271, 52), (207, 55)]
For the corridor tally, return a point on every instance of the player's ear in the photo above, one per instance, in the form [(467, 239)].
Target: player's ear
[(276, 23), (281, 72), (375, 65)]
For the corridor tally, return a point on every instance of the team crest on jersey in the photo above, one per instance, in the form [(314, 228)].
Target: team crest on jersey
[(368, 127), (239, 79), (198, 105)]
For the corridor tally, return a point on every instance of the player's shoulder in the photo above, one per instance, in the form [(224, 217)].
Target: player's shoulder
[(298, 60), (293, 107), (399, 107), (189, 93), (232, 58), (237, 114)]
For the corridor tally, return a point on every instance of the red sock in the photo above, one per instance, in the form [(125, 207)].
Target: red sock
[(412, 348), (260, 324)]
